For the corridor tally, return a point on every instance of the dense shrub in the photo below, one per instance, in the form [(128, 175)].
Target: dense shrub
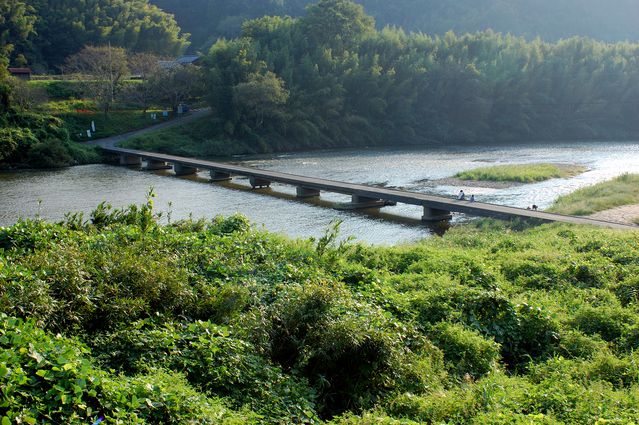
[(466, 352), (216, 322)]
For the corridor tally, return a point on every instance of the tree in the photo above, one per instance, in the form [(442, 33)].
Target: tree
[(146, 68), (179, 84), (260, 97), (16, 26), (337, 23), (64, 27), (102, 70)]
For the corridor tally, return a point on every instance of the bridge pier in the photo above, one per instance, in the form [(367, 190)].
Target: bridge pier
[(304, 192), (359, 202), (434, 214), (130, 160), (259, 183), (152, 165), (183, 170), (220, 176)]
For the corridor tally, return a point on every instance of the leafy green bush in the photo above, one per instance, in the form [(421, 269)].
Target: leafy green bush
[(350, 352), (466, 352), (610, 323), (213, 360), (217, 322)]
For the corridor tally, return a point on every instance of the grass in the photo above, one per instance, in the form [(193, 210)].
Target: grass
[(77, 115), (521, 173), (116, 122), (201, 138), (623, 190)]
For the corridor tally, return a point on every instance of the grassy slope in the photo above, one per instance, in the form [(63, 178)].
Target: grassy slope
[(485, 325), (521, 173), (623, 190), (199, 139)]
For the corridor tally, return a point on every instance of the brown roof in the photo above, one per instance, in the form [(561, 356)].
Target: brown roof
[(20, 70)]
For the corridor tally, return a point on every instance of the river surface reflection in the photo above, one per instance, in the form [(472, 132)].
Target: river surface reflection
[(50, 194)]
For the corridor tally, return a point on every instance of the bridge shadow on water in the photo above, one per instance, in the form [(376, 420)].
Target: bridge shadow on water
[(241, 184)]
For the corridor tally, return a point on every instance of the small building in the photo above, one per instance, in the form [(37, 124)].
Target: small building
[(189, 60), (181, 61), (22, 73)]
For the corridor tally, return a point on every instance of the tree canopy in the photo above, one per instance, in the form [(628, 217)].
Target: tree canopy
[(386, 87), (46, 32), (612, 20)]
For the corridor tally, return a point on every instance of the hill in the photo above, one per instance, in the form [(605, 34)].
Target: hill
[(610, 21)]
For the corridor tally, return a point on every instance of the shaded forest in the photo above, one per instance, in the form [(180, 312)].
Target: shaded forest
[(331, 79), (613, 20), (43, 33)]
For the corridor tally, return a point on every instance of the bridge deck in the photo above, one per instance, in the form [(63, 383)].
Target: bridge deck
[(393, 195)]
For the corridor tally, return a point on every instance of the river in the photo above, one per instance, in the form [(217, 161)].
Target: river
[(50, 194)]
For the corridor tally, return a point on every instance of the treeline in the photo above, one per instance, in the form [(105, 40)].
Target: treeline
[(613, 20), (43, 33), (331, 79)]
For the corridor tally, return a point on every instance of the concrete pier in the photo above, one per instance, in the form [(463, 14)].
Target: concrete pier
[(304, 192), (152, 165), (259, 183), (359, 202), (220, 176), (130, 160), (183, 170), (434, 214)]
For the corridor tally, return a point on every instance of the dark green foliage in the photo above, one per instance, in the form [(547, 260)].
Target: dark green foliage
[(215, 322), (52, 30), (328, 79), (40, 141), (465, 352), (610, 21), (49, 378)]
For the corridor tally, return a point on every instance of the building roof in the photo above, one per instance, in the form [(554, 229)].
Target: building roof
[(190, 59), (168, 64), (20, 70)]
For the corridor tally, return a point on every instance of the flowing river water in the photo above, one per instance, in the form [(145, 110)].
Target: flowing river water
[(51, 194)]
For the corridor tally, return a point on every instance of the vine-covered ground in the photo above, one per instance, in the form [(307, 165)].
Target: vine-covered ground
[(120, 317)]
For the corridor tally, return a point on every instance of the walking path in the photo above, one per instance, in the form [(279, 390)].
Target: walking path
[(626, 214), (111, 142)]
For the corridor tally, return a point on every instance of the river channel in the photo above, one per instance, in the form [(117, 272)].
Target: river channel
[(50, 194)]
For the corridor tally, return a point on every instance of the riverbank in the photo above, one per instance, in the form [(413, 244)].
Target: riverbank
[(605, 196)]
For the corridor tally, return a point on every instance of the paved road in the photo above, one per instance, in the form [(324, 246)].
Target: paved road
[(110, 142), (371, 192)]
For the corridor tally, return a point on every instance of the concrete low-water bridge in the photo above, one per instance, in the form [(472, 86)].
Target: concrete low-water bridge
[(436, 208)]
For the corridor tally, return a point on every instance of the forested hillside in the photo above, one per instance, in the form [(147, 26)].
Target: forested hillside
[(331, 80), (43, 33), (612, 20)]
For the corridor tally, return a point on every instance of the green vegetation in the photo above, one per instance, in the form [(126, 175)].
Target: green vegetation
[(116, 315), (611, 21), (202, 138), (43, 33), (521, 173), (291, 84), (623, 190)]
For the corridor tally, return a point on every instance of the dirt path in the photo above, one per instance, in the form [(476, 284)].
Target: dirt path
[(111, 142), (625, 214)]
